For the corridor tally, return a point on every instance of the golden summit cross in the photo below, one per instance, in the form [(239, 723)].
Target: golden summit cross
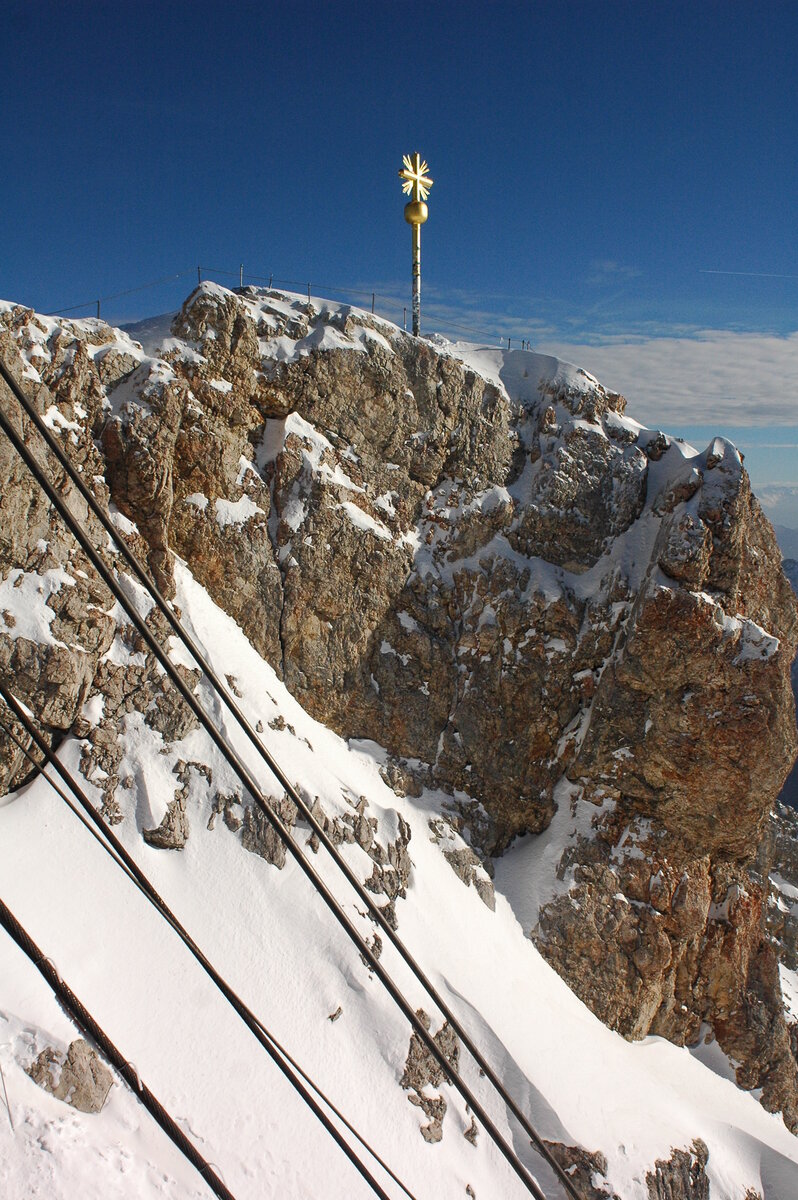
[(415, 177), (416, 183)]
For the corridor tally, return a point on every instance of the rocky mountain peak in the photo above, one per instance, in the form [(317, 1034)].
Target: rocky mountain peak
[(559, 619)]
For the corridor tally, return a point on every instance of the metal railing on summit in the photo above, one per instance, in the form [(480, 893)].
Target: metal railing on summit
[(251, 785)]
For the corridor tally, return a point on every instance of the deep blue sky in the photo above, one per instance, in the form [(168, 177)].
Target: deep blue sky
[(591, 160)]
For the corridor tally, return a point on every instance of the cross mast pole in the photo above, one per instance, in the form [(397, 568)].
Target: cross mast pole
[(416, 279), (416, 184)]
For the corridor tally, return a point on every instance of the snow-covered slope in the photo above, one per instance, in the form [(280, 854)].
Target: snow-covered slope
[(276, 943)]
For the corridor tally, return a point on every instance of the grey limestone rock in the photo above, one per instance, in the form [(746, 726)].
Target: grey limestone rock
[(468, 867), (173, 831), (422, 1071), (79, 1077), (259, 836), (682, 1176), (587, 1170)]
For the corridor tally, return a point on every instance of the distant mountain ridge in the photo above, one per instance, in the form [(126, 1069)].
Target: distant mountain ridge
[(788, 541)]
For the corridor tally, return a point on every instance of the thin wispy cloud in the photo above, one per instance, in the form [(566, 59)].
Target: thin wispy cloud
[(774, 493), (714, 377)]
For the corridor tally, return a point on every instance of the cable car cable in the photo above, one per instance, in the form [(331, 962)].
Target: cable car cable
[(85, 1022), (246, 778), (248, 781), (375, 912), (109, 842)]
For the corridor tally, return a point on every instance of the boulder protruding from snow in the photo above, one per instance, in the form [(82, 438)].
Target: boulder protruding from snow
[(78, 1077)]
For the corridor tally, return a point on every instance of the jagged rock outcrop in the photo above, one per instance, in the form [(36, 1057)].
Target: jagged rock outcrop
[(260, 837), (52, 654), (423, 1071), (533, 603), (789, 793), (668, 875), (682, 1176), (586, 1170), (782, 916), (348, 513)]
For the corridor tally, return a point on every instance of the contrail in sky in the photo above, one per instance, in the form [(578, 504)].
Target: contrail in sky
[(754, 274)]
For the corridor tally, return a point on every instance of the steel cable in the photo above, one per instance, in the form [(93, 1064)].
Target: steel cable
[(223, 693), (112, 846), (85, 1022), (251, 786), (142, 287), (249, 782)]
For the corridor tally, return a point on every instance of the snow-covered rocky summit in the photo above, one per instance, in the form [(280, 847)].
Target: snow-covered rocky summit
[(532, 615)]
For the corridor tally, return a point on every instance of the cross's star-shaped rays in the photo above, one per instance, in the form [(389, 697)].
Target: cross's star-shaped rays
[(415, 177)]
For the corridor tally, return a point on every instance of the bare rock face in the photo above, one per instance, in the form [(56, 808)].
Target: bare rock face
[(79, 1077), (668, 877), (173, 831), (533, 603), (782, 916), (19, 756), (586, 490), (694, 685), (342, 490), (665, 942), (67, 643), (49, 656), (587, 1171), (682, 1176), (259, 836), (789, 793), (423, 1071)]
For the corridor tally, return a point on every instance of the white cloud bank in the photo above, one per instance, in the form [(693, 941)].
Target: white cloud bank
[(712, 378)]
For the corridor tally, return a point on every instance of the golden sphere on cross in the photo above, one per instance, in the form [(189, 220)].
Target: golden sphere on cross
[(416, 212)]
